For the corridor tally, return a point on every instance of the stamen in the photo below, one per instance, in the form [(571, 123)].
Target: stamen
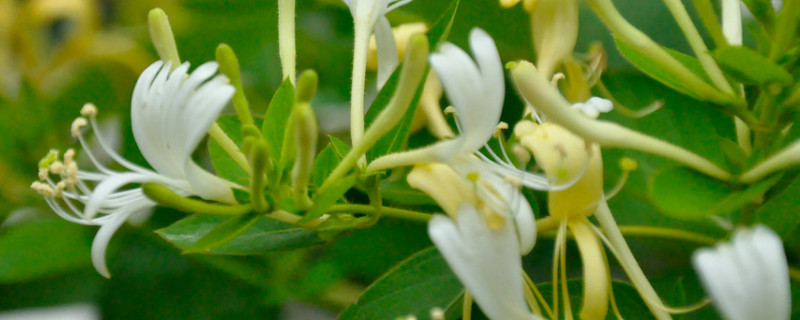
[(538, 295), (466, 309), (72, 173), (77, 125), (556, 78), (89, 110), (498, 130), (56, 167), (69, 156), (43, 173), (522, 155), (627, 165), (43, 189), (450, 110)]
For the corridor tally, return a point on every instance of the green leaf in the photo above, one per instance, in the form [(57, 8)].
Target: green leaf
[(323, 199), (686, 194), (341, 147), (38, 249), (658, 72), (223, 164), (749, 67), (223, 233), (782, 212), (324, 163), (395, 139), (277, 117), (264, 235), (415, 286)]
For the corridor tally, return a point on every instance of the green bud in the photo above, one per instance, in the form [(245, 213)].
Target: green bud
[(306, 86), (229, 66), (259, 162), (305, 128), (161, 35)]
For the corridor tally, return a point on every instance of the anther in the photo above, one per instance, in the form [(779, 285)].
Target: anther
[(43, 189), (43, 173), (69, 156), (499, 129), (56, 167), (89, 110), (72, 173), (60, 186), (556, 78), (450, 110), (77, 125)]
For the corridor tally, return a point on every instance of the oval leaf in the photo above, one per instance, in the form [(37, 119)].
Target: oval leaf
[(749, 67), (414, 287), (264, 235)]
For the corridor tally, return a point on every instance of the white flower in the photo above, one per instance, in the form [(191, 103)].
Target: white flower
[(170, 115), (747, 278), (369, 15), (486, 261)]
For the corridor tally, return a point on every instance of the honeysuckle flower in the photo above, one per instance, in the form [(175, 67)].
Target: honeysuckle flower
[(171, 112), (485, 259), (476, 90), (748, 277)]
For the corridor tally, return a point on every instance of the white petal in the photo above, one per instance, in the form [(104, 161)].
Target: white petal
[(110, 185), (747, 278), (387, 50), (488, 59), (487, 262), (107, 230), (476, 93), (207, 185)]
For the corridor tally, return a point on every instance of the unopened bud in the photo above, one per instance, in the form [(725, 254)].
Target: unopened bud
[(305, 125), (306, 86)]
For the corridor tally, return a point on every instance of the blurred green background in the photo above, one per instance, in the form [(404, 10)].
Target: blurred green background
[(56, 55)]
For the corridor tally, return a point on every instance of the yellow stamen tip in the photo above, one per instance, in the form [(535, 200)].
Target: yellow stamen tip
[(499, 129), (450, 110), (628, 164)]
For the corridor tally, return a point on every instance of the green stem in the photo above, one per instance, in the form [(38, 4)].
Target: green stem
[(667, 233), (168, 198), (286, 38), (230, 147), (403, 214), (646, 46), (698, 46), (628, 261), (414, 69), (705, 10)]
